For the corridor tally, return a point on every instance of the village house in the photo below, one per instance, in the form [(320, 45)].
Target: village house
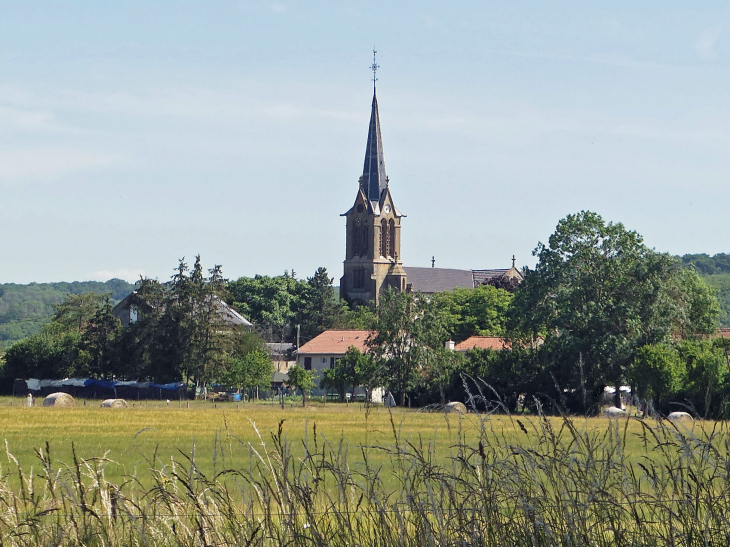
[(127, 312), (323, 351)]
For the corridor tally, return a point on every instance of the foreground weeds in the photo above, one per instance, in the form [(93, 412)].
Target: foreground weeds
[(551, 483)]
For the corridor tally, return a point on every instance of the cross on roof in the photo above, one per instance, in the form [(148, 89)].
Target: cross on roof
[(374, 67)]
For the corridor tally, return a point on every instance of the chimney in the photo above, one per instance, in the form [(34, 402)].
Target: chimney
[(449, 345)]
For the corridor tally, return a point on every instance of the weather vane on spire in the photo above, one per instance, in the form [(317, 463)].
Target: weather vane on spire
[(374, 67)]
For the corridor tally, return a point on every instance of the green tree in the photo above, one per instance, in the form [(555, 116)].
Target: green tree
[(77, 311), (302, 380), (600, 294), (657, 373), (696, 308), (353, 369), (396, 340), (319, 308), (706, 372), (192, 334), (271, 303), (251, 371), (468, 312), (48, 354), (99, 340), (335, 378), (79, 341)]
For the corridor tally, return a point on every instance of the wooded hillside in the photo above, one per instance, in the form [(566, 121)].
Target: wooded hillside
[(24, 309)]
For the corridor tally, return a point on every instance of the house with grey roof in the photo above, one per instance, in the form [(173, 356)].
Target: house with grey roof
[(127, 311)]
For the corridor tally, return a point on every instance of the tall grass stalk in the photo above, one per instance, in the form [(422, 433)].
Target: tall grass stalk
[(549, 483)]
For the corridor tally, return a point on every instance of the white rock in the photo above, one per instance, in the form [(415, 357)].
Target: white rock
[(679, 416)]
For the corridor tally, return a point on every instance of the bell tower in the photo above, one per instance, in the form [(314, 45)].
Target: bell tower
[(372, 251)]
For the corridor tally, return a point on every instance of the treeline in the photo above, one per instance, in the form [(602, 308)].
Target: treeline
[(181, 333), (24, 309)]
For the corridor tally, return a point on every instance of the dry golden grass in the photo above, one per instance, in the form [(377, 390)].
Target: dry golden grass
[(426, 479), (130, 436)]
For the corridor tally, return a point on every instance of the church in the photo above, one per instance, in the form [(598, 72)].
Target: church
[(373, 260)]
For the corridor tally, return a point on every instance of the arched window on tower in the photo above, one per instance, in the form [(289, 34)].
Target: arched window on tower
[(391, 238), (356, 241), (383, 238), (364, 246)]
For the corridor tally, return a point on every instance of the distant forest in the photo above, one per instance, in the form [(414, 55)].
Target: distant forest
[(24, 309)]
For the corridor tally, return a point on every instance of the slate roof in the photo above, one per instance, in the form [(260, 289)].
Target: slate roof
[(335, 342), (277, 348), (228, 314), (480, 276), (374, 179), (482, 342), (433, 280)]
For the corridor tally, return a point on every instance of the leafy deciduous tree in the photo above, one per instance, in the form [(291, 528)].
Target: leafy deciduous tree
[(601, 294), (302, 380)]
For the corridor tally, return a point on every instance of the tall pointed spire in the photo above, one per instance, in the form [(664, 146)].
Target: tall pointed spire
[(374, 179)]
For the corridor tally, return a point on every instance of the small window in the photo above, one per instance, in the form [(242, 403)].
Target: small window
[(307, 363), (132, 314), (332, 362), (324, 360)]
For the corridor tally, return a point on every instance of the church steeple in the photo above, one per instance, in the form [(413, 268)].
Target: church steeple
[(374, 180), (373, 261)]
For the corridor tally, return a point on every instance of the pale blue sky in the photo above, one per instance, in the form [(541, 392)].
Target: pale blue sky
[(135, 133)]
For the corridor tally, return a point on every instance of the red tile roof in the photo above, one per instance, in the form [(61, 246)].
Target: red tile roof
[(724, 333), (482, 342), (335, 342)]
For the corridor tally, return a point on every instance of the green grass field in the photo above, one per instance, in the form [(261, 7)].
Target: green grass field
[(133, 435), (221, 432), (425, 478)]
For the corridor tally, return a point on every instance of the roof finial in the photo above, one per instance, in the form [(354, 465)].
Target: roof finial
[(433, 261), (374, 67), (513, 261)]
